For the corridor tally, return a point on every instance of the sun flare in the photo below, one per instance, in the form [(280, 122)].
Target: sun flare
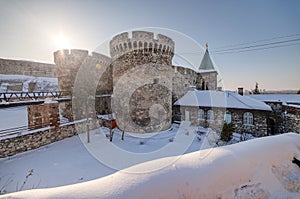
[(61, 42)]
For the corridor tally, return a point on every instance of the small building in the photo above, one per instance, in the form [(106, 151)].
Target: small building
[(285, 115), (212, 108)]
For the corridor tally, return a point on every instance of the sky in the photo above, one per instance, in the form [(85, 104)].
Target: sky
[(34, 29)]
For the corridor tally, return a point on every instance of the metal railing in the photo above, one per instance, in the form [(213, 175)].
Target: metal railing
[(22, 129), (25, 96)]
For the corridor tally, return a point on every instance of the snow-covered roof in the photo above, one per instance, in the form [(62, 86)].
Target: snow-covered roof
[(293, 105), (287, 98), (221, 99)]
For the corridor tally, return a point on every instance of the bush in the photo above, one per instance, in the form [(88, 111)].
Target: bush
[(227, 131), (142, 142), (298, 91)]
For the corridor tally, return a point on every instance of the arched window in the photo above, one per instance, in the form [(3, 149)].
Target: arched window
[(140, 44), (160, 47), (150, 46), (201, 114), (227, 117), (248, 118), (210, 115)]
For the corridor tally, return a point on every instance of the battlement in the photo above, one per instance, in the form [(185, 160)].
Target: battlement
[(62, 55), (101, 59), (140, 40), (65, 55)]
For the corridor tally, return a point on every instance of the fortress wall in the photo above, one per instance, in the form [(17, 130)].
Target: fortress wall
[(30, 68)]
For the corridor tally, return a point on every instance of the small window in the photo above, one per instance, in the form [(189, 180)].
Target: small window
[(210, 115), (140, 44), (248, 118), (227, 117), (201, 114)]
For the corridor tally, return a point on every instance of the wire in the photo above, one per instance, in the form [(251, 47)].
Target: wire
[(256, 49), (259, 45), (258, 41)]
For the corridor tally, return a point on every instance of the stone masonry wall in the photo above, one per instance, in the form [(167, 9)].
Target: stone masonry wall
[(150, 59), (30, 68), (38, 138), (43, 115), (291, 119), (210, 80), (259, 127)]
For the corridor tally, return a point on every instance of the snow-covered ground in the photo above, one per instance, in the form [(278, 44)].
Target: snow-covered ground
[(68, 161), (13, 117), (258, 168)]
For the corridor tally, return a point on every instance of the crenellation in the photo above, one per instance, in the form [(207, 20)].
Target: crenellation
[(141, 40), (142, 35), (102, 59)]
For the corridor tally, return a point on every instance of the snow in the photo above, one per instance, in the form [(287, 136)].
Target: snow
[(220, 99), (42, 83), (258, 168), (287, 98), (19, 115), (107, 116), (293, 105), (61, 163), (60, 156)]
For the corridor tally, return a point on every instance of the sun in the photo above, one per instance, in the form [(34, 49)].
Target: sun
[(61, 42)]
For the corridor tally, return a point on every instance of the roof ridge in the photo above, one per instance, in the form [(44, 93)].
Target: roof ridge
[(230, 93)]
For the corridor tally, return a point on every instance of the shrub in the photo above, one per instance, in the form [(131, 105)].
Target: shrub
[(142, 142), (227, 131)]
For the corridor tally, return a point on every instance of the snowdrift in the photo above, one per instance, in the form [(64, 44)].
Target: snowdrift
[(258, 168)]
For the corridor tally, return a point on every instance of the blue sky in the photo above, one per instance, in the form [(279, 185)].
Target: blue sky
[(29, 30)]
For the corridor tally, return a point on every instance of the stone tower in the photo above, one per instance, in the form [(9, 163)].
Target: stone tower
[(87, 79), (141, 67)]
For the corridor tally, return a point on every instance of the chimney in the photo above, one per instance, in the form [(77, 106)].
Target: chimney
[(241, 91)]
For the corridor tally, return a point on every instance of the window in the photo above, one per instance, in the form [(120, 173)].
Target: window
[(227, 117), (248, 118), (201, 114), (140, 44), (210, 115)]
